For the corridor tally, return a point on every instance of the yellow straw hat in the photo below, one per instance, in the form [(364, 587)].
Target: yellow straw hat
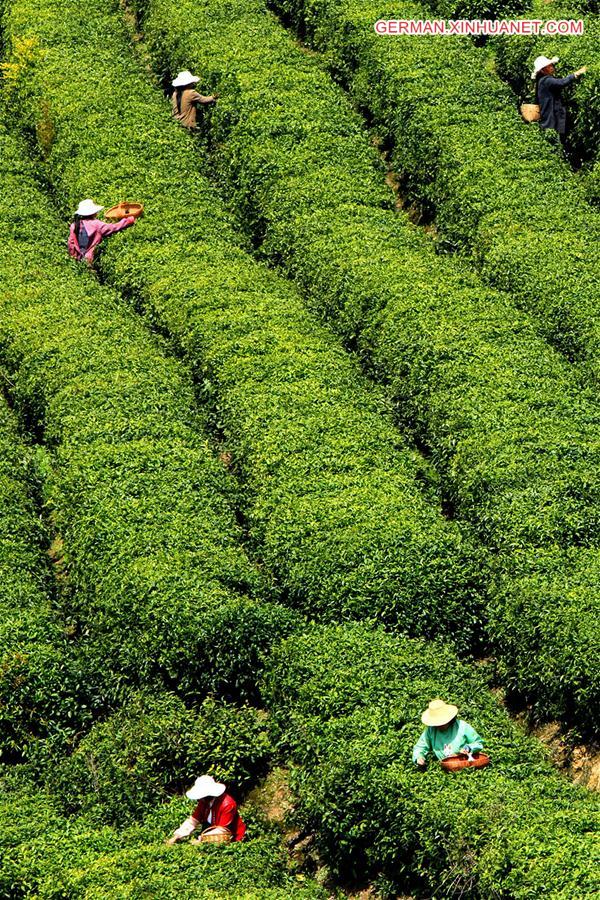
[(439, 713)]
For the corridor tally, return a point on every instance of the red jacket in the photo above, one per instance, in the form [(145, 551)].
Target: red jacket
[(224, 812)]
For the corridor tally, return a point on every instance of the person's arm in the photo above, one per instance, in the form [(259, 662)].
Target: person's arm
[(72, 244), (421, 749), (200, 98), (185, 829), (557, 84), (471, 739), (106, 228)]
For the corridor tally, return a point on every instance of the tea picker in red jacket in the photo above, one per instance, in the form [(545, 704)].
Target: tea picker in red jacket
[(215, 807)]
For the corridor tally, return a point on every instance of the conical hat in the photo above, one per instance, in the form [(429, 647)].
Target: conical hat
[(439, 713)]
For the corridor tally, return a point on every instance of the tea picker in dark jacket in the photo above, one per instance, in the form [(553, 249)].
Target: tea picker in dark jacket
[(548, 89)]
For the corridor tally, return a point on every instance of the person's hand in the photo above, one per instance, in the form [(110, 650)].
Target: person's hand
[(421, 761), (581, 71), (172, 840)]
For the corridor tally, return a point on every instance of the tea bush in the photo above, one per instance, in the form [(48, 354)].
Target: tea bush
[(35, 677), (155, 746), (347, 701), (508, 425), (466, 156), (44, 855), (340, 510), (155, 578)]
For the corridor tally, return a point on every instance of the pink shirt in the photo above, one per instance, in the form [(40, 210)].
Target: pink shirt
[(97, 230)]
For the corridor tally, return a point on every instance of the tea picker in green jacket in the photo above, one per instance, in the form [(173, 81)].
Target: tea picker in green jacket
[(445, 734)]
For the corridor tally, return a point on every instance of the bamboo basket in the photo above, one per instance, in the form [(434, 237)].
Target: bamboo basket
[(124, 209), (462, 761), (215, 834), (530, 112)]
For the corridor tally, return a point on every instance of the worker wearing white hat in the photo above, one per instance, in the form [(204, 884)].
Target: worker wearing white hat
[(445, 735), (185, 99), (87, 231), (548, 90), (215, 808)]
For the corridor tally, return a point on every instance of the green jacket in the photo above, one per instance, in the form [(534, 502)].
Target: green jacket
[(446, 743)]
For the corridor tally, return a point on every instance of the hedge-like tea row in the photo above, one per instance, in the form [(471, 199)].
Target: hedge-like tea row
[(333, 498), (32, 644), (154, 746), (467, 372), (156, 576), (466, 155), (45, 856), (514, 63), (347, 700)]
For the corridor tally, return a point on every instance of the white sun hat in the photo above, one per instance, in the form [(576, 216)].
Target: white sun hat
[(205, 786), (185, 78), (541, 63), (88, 208), (439, 713)]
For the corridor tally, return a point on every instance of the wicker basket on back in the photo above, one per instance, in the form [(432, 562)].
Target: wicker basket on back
[(530, 112), (462, 761)]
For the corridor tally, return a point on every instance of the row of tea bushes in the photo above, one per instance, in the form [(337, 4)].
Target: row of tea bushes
[(514, 58), (496, 188), (151, 569), (131, 862), (156, 579), (508, 425), (154, 746), (347, 701), (337, 506), (46, 856), (33, 658)]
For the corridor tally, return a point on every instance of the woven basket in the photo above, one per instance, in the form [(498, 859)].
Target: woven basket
[(462, 761), (216, 834), (530, 112), (124, 209)]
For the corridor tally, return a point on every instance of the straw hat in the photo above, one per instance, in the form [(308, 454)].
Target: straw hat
[(205, 786), (541, 63), (184, 78), (439, 713), (88, 208)]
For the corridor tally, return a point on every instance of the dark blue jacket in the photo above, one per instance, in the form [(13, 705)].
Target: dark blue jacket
[(553, 113)]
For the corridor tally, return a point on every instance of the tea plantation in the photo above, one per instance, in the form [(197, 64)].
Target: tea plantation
[(295, 456)]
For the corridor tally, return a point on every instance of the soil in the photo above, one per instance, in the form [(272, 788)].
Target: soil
[(273, 798), (581, 762), (56, 553)]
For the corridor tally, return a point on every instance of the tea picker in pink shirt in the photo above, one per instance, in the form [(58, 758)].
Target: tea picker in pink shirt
[(87, 232)]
